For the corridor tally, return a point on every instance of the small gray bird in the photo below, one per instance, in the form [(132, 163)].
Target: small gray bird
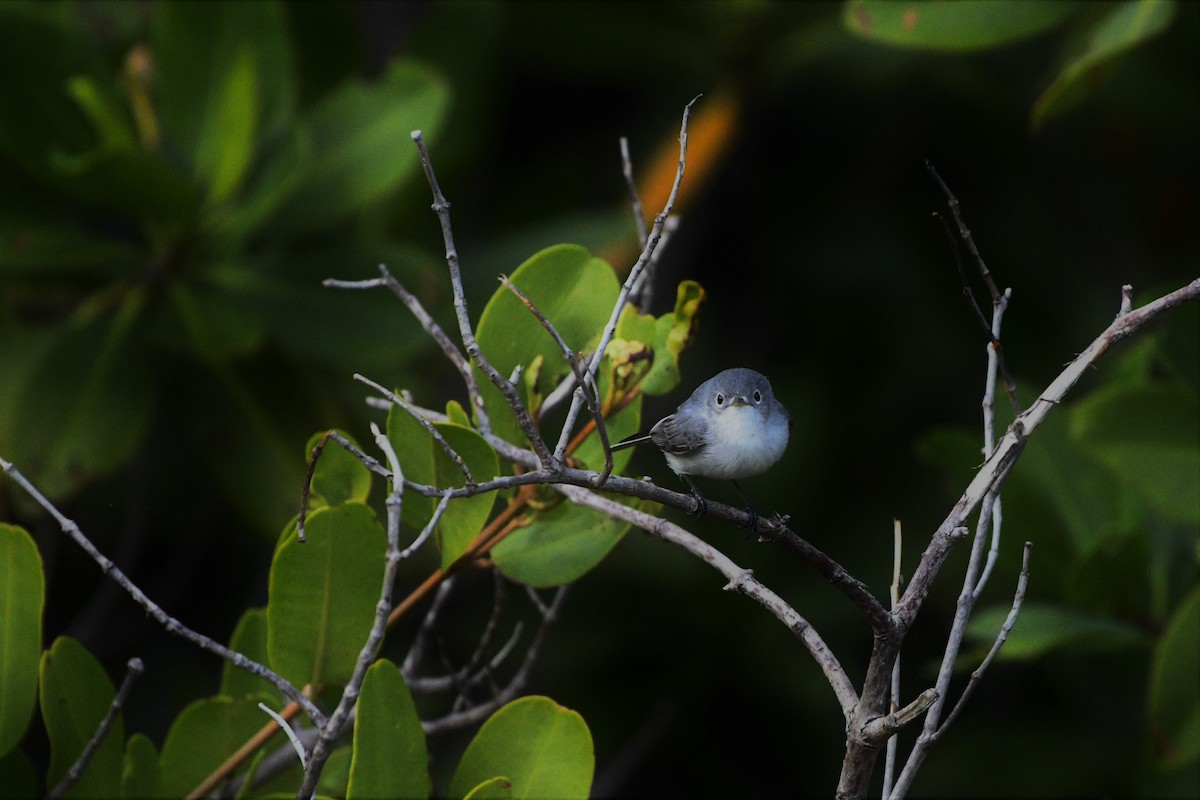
[(731, 427)]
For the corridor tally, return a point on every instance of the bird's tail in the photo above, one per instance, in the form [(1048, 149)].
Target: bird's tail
[(631, 441)]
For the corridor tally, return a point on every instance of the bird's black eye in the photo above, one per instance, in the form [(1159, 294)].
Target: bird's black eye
[(757, 396), (720, 399)]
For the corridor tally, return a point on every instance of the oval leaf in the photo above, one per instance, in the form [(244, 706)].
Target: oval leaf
[(1041, 629), (323, 594), (250, 639), (22, 594), (542, 748), (203, 736), (1174, 707), (560, 545), (575, 291), (1149, 436), (75, 696), (938, 25), (424, 461), (390, 759), (339, 476), (1121, 27), (141, 775)]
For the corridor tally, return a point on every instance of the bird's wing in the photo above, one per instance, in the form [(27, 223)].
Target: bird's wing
[(674, 435)]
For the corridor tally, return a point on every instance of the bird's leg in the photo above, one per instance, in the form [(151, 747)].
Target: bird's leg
[(749, 509), (701, 503)]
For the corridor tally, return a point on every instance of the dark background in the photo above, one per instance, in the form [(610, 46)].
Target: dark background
[(814, 238)]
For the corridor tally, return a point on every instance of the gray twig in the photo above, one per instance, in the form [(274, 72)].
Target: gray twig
[(424, 422), (441, 207), (169, 623), (639, 216), (134, 669)]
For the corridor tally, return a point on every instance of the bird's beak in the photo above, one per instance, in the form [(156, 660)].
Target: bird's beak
[(739, 400)]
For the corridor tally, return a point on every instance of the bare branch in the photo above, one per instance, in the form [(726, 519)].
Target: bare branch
[(478, 713), (442, 208), (639, 217), (134, 669), (740, 580), (172, 625), (424, 422), (1001, 636), (587, 383)]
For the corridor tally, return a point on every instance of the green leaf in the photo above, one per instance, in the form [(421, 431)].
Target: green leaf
[(360, 146), (424, 461), (222, 70), (85, 403), (560, 545), (1041, 629), (1149, 436), (17, 779), (1174, 702), (390, 759), (574, 291), (250, 639), (141, 775), (75, 696), (672, 334), (323, 594), (114, 128), (139, 184), (205, 734), (339, 476), (938, 25), (227, 141), (22, 595), (39, 55), (542, 748), (495, 789), (209, 322), (1119, 28)]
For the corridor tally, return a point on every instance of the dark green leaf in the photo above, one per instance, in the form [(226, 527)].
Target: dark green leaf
[(1174, 703), (560, 545), (22, 594), (250, 639), (17, 780), (1041, 629), (210, 60), (75, 695), (938, 25), (141, 775), (1121, 27), (1149, 436), (85, 402), (203, 736), (360, 146)]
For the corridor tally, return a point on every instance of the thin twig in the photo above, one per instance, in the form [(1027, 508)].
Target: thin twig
[(998, 298), (1001, 636), (169, 623), (889, 763), (134, 669), (639, 216), (286, 727), (480, 712), (429, 427), (587, 384), (441, 207), (431, 327), (740, 579)]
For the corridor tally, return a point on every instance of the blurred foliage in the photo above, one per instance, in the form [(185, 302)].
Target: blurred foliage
[(177, 178)]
